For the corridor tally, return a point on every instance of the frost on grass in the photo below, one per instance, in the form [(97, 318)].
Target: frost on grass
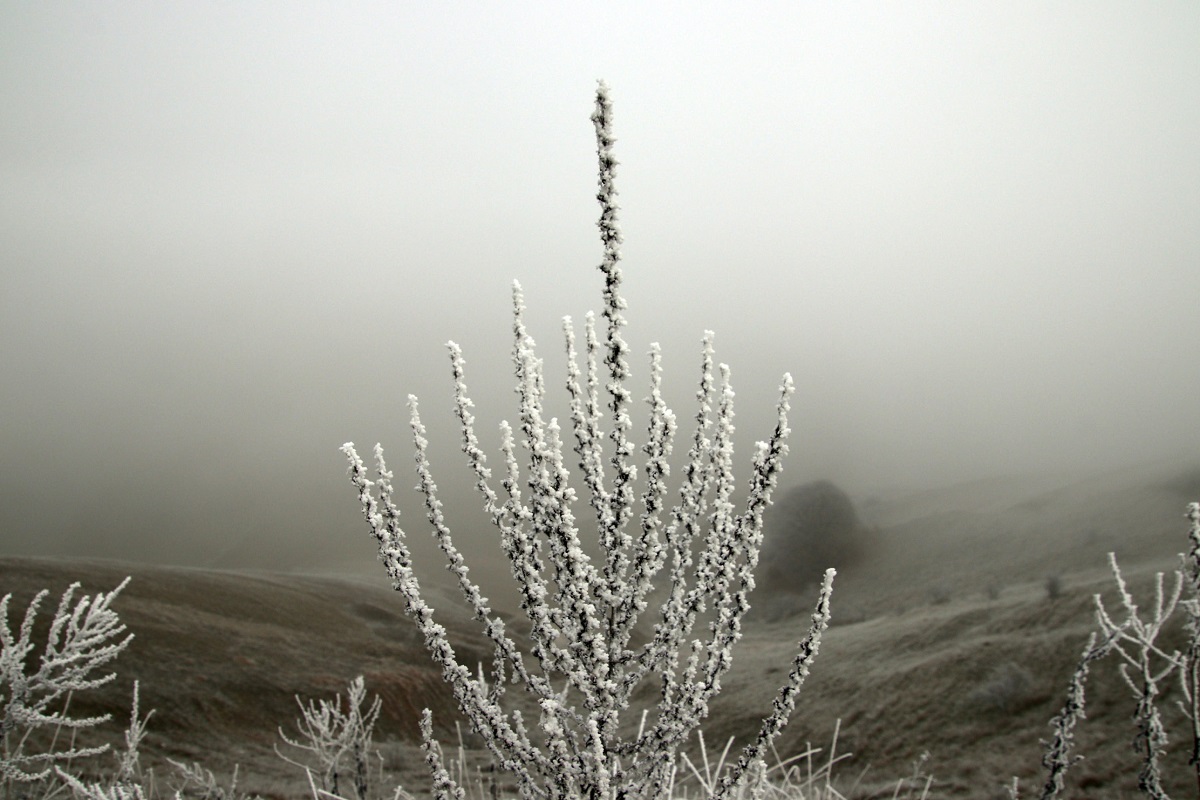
[(579, 662)]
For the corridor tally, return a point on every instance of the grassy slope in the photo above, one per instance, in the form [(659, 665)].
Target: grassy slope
[(907, 676), (220, 655)]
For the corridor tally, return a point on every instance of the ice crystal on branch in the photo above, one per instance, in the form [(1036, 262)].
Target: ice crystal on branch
[(579, 663)]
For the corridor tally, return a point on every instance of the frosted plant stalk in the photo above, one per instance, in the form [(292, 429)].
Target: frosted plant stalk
[(1058, 757), (579, 664)]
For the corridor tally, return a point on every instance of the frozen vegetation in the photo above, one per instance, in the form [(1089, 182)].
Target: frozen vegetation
[(677, 555), (580, 663)]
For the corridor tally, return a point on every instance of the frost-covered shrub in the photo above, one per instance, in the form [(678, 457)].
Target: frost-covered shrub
[(1146, 668), (339, 742), (37, 680), (580, 663), (38, 684)]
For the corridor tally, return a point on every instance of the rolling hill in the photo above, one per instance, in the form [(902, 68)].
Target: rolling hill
[(946, 641)]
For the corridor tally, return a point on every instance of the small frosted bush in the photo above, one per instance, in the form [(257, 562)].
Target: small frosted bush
[(37, 680), (339, 742), (1146, 668), (580, 663)]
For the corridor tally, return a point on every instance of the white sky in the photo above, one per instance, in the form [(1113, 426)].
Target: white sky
[(235, 235)]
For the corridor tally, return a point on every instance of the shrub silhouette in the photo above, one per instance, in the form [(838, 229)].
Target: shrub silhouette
[(1008, 687), (809, 529)]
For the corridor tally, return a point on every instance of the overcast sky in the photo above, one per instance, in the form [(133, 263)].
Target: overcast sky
[(235, 235)]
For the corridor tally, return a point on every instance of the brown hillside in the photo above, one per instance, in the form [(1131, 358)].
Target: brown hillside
[(945, 641)]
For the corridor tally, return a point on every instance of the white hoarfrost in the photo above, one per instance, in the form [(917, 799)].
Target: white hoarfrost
[(340, 742), (36, 687), (579, 662)]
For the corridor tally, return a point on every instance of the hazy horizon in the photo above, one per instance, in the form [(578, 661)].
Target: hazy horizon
[(237, 236)]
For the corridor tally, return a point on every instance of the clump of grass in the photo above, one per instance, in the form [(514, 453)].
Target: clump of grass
[(808, 775)]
